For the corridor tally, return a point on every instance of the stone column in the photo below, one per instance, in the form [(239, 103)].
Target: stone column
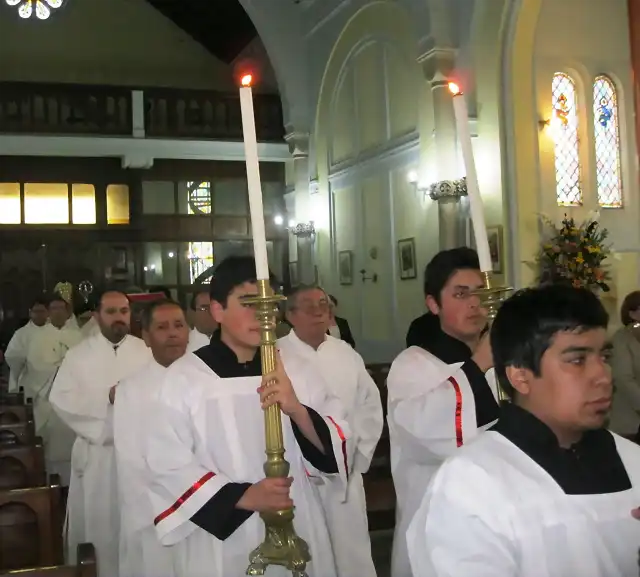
[(452, 211), (305, 234), (299, 148)]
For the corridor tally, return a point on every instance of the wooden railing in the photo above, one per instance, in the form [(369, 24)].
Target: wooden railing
[(69, 109)]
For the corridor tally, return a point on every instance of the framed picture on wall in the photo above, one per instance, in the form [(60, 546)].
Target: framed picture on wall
[(293, 274), (345, 267), (407, 259), (495, 235)]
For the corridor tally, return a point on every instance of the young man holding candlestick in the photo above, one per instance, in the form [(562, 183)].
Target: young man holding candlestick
[(548, 491), (440, 394), (206, 444)]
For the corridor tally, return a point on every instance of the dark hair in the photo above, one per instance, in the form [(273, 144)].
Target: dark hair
[(444, 265), (232, 272), (100, 295), (527, 322), (631, 303), (292, 296), (146, 318), (39, 301), (195, 295), (161, 289), (57, 298), (334, 300)]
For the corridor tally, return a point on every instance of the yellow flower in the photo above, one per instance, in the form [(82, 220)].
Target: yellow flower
[(579, 258)]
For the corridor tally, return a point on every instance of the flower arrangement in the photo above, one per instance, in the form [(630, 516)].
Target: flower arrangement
[(575, 253)]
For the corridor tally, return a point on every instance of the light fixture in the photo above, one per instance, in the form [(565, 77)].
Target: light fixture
[(41, 9), (278, 220), (171, 255), (146, 268), (292, 223), (412, 176)]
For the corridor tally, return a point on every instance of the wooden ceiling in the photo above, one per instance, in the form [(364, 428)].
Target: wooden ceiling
[(221, 26)]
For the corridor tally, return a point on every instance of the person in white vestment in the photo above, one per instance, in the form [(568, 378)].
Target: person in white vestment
[(45, 354), (203, 323), (441, 393), (166, 333), (207, 444), (82, 395), (548, 491), (16, 353), (308, 311)]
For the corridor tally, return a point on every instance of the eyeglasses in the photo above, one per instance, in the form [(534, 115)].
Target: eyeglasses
[(311, 308)]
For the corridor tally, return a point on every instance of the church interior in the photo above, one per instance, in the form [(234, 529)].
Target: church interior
[(122, 164)]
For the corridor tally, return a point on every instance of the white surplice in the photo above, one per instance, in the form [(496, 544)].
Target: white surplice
[(90, 328), (209, 431), (491, 511), (141, 554), (16, 353), (80, 397), (46, 351), (347, 378), (431, 413), (197, 340)]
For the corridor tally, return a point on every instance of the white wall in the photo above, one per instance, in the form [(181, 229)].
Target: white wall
[(106, 42)]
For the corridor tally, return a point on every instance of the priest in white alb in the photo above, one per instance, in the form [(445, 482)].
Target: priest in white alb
[(16, 353), (441, 393), (82, 395), (309, 313), (47, 349), (207, 444), (548, 491), (166, 333)]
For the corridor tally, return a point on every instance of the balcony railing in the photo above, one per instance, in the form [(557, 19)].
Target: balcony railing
[(69, 109)]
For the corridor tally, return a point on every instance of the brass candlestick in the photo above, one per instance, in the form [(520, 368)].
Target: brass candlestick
[(281, 545), (492, 296)]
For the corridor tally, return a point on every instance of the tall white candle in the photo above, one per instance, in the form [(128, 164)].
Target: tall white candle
[(473, 189), (253, 180)]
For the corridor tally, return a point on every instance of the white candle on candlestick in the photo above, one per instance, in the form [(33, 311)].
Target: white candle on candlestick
[(253, 179), (473, 189)]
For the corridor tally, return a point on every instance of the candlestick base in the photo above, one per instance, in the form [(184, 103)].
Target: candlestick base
[(281, 545), (492, 297)]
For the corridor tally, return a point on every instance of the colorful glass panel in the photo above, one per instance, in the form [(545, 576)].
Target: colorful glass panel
[(199, 201), (200, 259), (41, 9), (565, 135), (607, 143)]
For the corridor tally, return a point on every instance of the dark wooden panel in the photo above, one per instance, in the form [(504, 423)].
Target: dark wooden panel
[(231, 227)]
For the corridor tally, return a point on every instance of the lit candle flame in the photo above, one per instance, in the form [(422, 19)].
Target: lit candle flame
[(246, 80), (454, 89)]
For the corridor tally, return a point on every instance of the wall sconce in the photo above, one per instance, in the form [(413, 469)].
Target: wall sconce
[(412, 177)]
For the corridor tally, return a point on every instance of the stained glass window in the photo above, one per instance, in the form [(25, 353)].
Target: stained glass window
[(565, 135), (200, 259), (41, 9), (199, 197), (607, 142)]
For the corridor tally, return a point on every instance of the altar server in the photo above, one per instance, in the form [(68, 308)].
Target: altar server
[(548, 491), (309, 312), (207, 444), (16, 353), (47, 349), (166, 333), (203, 323), (439, 393), (82, 395)]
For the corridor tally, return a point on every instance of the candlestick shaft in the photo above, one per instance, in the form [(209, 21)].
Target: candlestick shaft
[(281, 545), (253, 182), (473, 188)]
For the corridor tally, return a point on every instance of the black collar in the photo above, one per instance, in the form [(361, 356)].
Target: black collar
[(447, 348), (224, 362), (591, 466)]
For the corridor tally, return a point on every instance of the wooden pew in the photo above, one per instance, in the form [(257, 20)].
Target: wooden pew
[(378, 484), (14, 414), (22, 466), (31, 527), (12, 398), (86, 567), (17, 434)]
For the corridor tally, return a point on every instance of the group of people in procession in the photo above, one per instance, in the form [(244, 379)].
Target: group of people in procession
[(166, 468)]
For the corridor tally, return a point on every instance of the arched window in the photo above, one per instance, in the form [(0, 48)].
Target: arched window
[(607, 142), (565, 135)]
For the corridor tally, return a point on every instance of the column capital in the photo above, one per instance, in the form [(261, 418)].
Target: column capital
[(438, 64), (448, 189), (298, 144), (303, 230)]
